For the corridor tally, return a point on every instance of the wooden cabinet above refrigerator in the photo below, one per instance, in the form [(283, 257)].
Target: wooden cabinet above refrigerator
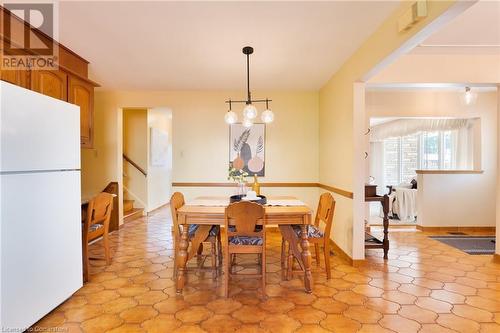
[(68, 81)]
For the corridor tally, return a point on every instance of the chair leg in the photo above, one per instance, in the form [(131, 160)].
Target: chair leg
[(219, 245), (233, 262), (174, 275), (85, 258), (289, 264), (283, 257), (318, 258), (326, 249), (226, 273), (107, 253), (263, 271), (213, 257), (86, 270), (221, 257)]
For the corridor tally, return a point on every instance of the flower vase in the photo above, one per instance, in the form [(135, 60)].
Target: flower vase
[(242, 189)]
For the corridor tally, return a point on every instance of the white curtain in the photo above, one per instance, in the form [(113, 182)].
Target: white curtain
[(463, 148), (404, 127)]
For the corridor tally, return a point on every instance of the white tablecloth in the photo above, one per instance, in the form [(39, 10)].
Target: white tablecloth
[(209, 202), (285, 202), (225, 202)]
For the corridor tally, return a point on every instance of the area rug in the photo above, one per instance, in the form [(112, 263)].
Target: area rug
[(469, 244)]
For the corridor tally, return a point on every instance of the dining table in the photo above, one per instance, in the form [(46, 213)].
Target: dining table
[(207, 211)]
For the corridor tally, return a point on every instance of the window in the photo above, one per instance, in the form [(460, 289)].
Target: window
[(438, 152), (425, 150)]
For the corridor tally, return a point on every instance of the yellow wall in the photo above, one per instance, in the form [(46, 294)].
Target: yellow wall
[(200, 138), (135, 146), (99, 163), (340, 160)]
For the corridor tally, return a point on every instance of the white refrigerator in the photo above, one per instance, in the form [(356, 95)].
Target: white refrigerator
[(40, 218)]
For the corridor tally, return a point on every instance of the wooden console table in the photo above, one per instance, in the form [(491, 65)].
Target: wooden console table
[(372, 242)]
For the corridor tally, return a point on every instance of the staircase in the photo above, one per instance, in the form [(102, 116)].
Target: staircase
[(129, 212)]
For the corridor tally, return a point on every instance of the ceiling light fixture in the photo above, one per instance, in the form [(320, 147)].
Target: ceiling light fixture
[(469, 96), (250, 112)]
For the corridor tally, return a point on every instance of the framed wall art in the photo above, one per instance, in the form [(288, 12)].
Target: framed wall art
[(247, 147)]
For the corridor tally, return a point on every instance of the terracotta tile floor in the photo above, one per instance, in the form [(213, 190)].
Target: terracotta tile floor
[(425, 286)]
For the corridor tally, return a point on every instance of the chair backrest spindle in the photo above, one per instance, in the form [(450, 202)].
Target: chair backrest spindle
[(326, 210), (176, 202)]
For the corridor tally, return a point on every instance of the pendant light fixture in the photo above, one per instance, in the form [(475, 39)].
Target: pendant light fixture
[(250, 112)]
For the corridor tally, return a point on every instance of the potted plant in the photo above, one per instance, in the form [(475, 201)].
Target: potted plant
[(238, 176)]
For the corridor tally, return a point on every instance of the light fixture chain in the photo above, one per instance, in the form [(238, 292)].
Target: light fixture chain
[(249, 98)]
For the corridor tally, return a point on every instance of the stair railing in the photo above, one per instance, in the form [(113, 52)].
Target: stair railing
[(135, 165)]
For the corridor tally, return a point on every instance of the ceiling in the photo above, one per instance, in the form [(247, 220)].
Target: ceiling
[(477, 30), (197, 45)]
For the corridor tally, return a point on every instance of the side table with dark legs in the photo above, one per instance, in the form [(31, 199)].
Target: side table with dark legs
[(372, 242)]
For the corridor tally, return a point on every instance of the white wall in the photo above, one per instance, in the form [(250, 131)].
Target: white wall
[(449, 200), (159, 177), (456, 200)]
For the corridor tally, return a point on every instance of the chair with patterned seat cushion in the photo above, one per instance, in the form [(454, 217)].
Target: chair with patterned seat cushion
[(96, 225), (245, 233), (325, 212), (176, 202), (241, 239)]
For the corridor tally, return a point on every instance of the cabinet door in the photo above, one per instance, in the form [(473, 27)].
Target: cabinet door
[(82, 93), (50, 83), (17, 76)]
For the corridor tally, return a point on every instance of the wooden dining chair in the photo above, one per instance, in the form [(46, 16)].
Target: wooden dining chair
[(325, 212), (96, 225), (245, 233), (214, 238)]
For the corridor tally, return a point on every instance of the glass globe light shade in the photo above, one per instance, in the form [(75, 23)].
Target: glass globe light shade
[(250, 111), (267, 116), (231, 117), (247, 123), (469, 96)]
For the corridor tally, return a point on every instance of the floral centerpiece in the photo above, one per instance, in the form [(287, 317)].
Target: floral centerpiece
[(238, 176)]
